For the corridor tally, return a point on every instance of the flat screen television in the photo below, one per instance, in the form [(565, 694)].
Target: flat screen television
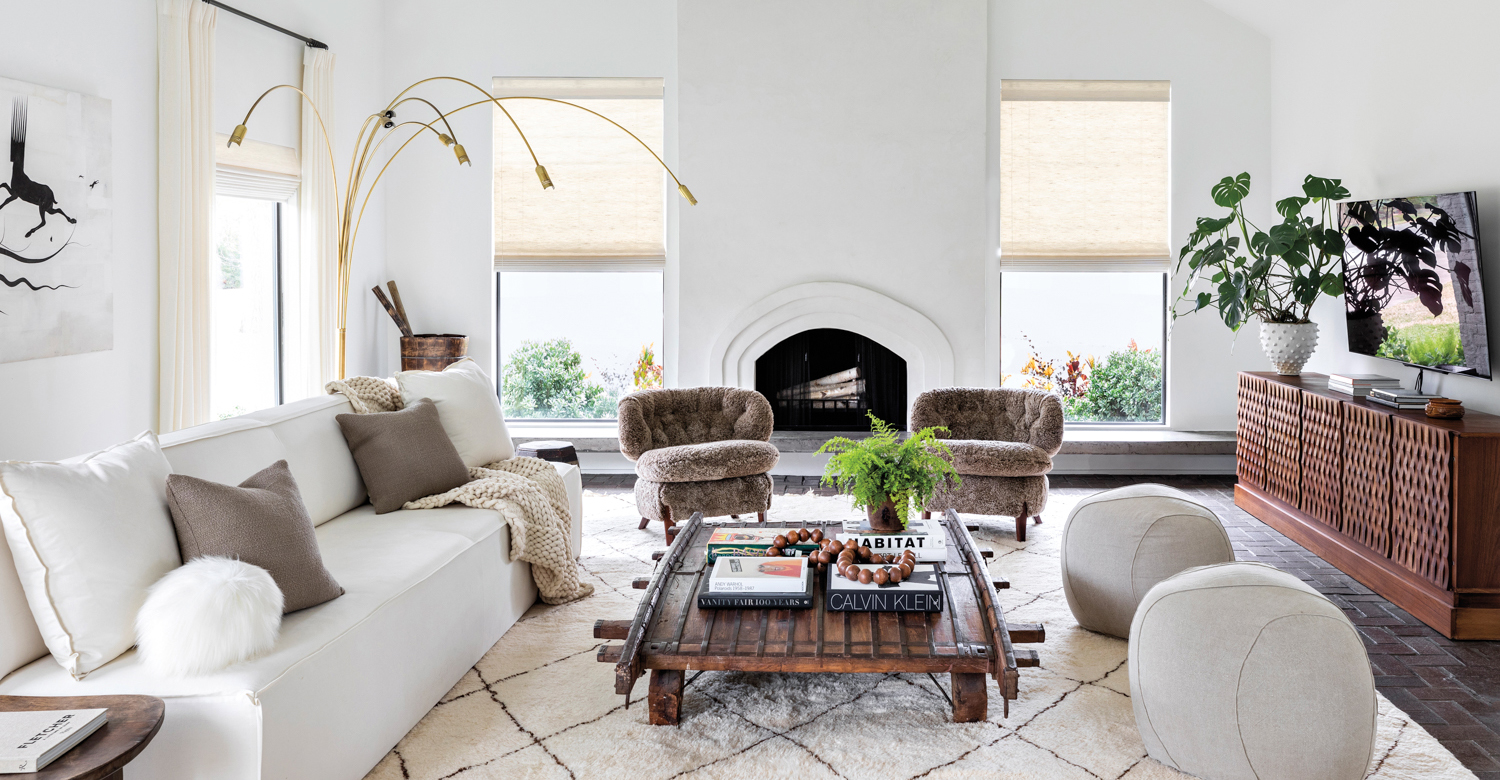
[(1413, 288)]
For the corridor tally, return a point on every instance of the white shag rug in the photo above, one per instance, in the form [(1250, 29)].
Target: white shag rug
[(539, 706)]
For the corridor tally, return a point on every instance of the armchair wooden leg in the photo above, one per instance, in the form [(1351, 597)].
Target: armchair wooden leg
[(760, 517), (666, 518), (644, 522), (926, 515), (1021, 523), (734, 517)]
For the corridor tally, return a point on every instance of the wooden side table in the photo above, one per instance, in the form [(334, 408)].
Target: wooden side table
[(133, 721)]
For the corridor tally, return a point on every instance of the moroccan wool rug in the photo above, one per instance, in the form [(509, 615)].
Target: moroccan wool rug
[(539, 706)]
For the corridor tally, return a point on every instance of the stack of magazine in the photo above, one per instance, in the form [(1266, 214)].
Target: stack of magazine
[(1399, 398), (737, 582), (750, 542), (924, 537), (1360, 385)]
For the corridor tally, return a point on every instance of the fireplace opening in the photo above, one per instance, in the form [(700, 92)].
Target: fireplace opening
[(827, 379)]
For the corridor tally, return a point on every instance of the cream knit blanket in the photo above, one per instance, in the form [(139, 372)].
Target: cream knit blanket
[(527, 492)]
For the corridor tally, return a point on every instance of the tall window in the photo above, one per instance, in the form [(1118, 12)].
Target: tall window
[(254, 188), (1084, 244), (578, 267)]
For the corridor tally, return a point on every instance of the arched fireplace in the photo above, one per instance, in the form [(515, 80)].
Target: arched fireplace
[(827, 379)]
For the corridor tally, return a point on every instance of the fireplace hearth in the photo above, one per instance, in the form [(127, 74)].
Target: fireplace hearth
[(828, 379)]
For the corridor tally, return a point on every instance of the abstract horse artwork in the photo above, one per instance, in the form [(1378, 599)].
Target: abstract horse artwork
[(56, 276), (21, 186)]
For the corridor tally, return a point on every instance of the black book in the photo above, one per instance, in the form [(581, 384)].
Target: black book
[(796, 600), (923, 592)]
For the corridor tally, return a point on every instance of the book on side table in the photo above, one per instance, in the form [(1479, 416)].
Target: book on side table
[(922, 592), (921, 536), (757, 583), (29, 741)]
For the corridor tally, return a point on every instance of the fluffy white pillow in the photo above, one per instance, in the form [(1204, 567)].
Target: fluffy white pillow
[(208, 614), (468, 407), (89, 536)]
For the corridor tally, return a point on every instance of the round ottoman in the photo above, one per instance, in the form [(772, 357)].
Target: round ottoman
[(1118, 544), (1238, 670)]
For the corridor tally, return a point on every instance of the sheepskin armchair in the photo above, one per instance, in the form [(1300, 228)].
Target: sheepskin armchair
[(698, 449), (1003, 440)]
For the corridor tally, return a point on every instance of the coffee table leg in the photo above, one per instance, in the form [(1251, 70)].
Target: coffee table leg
[(665, 697), (971, 701)]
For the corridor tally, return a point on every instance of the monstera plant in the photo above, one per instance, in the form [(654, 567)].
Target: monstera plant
[(1273, 275)]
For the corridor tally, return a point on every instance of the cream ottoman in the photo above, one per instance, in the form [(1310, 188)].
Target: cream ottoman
[(1238, 670), (1118, 544)]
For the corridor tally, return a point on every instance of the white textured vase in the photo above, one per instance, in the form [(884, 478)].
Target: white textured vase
[(1288, 345)]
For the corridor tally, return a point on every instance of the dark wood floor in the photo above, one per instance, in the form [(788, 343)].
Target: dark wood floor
[(1451, 688)]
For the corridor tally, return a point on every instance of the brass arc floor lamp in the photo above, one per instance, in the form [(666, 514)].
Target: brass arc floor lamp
[(379, 128)]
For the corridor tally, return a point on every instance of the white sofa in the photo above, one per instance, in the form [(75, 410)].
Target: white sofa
[(426, 594)]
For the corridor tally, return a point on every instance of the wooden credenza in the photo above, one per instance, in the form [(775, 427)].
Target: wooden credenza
[(1407, 505)]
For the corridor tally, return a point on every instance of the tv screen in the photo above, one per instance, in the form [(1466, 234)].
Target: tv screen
[(1412, 281)]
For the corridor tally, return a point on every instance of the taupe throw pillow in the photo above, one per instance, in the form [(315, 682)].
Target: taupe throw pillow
[(261, 522), (403, 456)]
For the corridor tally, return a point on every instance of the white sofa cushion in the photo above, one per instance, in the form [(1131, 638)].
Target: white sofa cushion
[(89, 536), (468, 406)]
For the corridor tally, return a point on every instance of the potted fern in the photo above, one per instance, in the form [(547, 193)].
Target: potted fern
[(884, 475)]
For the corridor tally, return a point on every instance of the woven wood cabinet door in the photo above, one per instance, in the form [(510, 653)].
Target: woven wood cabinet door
[(1367, 477), (1322, 456), (1250, 433), (1284, 442), (1421, 510)]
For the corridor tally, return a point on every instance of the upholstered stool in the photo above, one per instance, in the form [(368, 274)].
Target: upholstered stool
[(1117, 544), (1241, 671)]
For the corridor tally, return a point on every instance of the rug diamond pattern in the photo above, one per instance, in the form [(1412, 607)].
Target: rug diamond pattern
[(539, 706)]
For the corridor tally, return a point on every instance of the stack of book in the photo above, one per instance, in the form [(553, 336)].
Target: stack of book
[(924, 537), (752, 541), (1360, 385), (757, 583), (921, 592), (30, 741), (1400, 399)]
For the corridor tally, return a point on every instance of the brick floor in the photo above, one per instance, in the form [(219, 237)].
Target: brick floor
[(1451, 688)]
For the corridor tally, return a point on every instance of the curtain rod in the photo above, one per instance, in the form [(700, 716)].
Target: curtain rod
[(316, 44)]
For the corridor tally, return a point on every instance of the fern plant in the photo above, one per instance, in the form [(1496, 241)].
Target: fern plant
[(883, 467)]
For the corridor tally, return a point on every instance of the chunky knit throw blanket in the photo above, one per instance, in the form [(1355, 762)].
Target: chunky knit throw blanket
[(527, 492)]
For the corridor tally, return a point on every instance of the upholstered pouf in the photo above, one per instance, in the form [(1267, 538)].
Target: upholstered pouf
[(1238, 670), (1117, 544)]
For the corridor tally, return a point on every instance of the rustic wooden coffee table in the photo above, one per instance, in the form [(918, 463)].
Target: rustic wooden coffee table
[(669, 634)]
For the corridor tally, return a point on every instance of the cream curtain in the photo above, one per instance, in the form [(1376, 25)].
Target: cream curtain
[(1083, 174), (608, 202), (309, 297), (185, 191)]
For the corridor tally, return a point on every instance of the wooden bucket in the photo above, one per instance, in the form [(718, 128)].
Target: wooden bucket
[(432, 351)]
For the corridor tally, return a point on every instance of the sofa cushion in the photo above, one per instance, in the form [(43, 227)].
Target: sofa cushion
[(403, 456), (261, 522), (468, 406), (998, 458), (89, 537), (704, 462)]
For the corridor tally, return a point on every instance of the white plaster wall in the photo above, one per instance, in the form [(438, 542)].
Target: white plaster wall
[(1220, 69), (1425, 124), (836, 141), (64, 406), (440, 235)]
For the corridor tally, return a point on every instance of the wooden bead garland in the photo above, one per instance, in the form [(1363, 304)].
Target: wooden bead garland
[(843, 557)]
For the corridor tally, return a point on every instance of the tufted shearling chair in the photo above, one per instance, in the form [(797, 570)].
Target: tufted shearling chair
[(1003, 441), (698, 449)]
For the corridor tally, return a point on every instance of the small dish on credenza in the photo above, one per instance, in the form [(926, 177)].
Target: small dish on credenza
[(1445, 408)]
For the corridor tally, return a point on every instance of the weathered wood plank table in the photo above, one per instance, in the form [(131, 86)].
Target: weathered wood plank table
[(670, 635)]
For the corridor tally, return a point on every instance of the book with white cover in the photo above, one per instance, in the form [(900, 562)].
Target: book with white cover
[(734, 574), (30, 741), (1368, 380), (923, 537)]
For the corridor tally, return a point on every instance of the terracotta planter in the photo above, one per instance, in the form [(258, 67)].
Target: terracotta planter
[(885, 518), (1288, 345)]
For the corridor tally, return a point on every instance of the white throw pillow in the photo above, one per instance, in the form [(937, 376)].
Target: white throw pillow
[(468, 407), (207, 614), (89, 536)]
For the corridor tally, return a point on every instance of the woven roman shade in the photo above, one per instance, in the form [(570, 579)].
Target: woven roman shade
[(1084, 175), (255, 169), (606, 207)]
